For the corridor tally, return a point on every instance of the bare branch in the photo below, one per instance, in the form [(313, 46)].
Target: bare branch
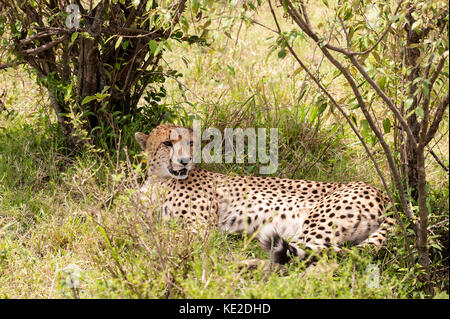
[(437, 71), (262, 25), (305, 15), (44, 47), (438, 160), (432, 80), (427, 97), (347, 39), (437, 119), (40, 35)]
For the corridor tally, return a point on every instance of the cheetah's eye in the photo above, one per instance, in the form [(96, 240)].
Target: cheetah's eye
[(168, 143)]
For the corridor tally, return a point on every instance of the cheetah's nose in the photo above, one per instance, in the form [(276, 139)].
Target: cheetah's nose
[(184, 160)]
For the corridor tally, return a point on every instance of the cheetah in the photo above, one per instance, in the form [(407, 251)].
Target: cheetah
[(289, 217)]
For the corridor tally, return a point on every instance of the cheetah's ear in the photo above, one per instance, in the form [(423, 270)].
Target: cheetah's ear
[(141, 138)]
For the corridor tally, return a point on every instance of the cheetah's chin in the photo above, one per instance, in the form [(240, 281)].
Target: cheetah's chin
[(180, 174)]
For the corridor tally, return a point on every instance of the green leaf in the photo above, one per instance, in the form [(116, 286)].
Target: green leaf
[(148, 6), (88, 99), (118, 42), (354, 105), (147, 55), (426, 89), (436, 246), (231, 70), (387, 125), (73, 38), (420, 113), (158, 49), (325, 2), (382, 82), (348, 14), (297, 71), (410, 113), (409, 102), (195, 6), (282, 54), (125, 45), (364, 124), (107, 40), (184, 22), (167, 45), (68, 93), (102, 230), (153, 45), (86, 35), (417, 24), (323, 107)]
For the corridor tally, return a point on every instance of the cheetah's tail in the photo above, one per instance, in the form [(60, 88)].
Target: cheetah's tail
[(280, 250)]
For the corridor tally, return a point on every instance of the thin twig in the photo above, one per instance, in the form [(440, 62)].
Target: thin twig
[(438, 160), (44, 47)]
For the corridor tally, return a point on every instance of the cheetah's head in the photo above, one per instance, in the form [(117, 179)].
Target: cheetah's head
[(169, 150)]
